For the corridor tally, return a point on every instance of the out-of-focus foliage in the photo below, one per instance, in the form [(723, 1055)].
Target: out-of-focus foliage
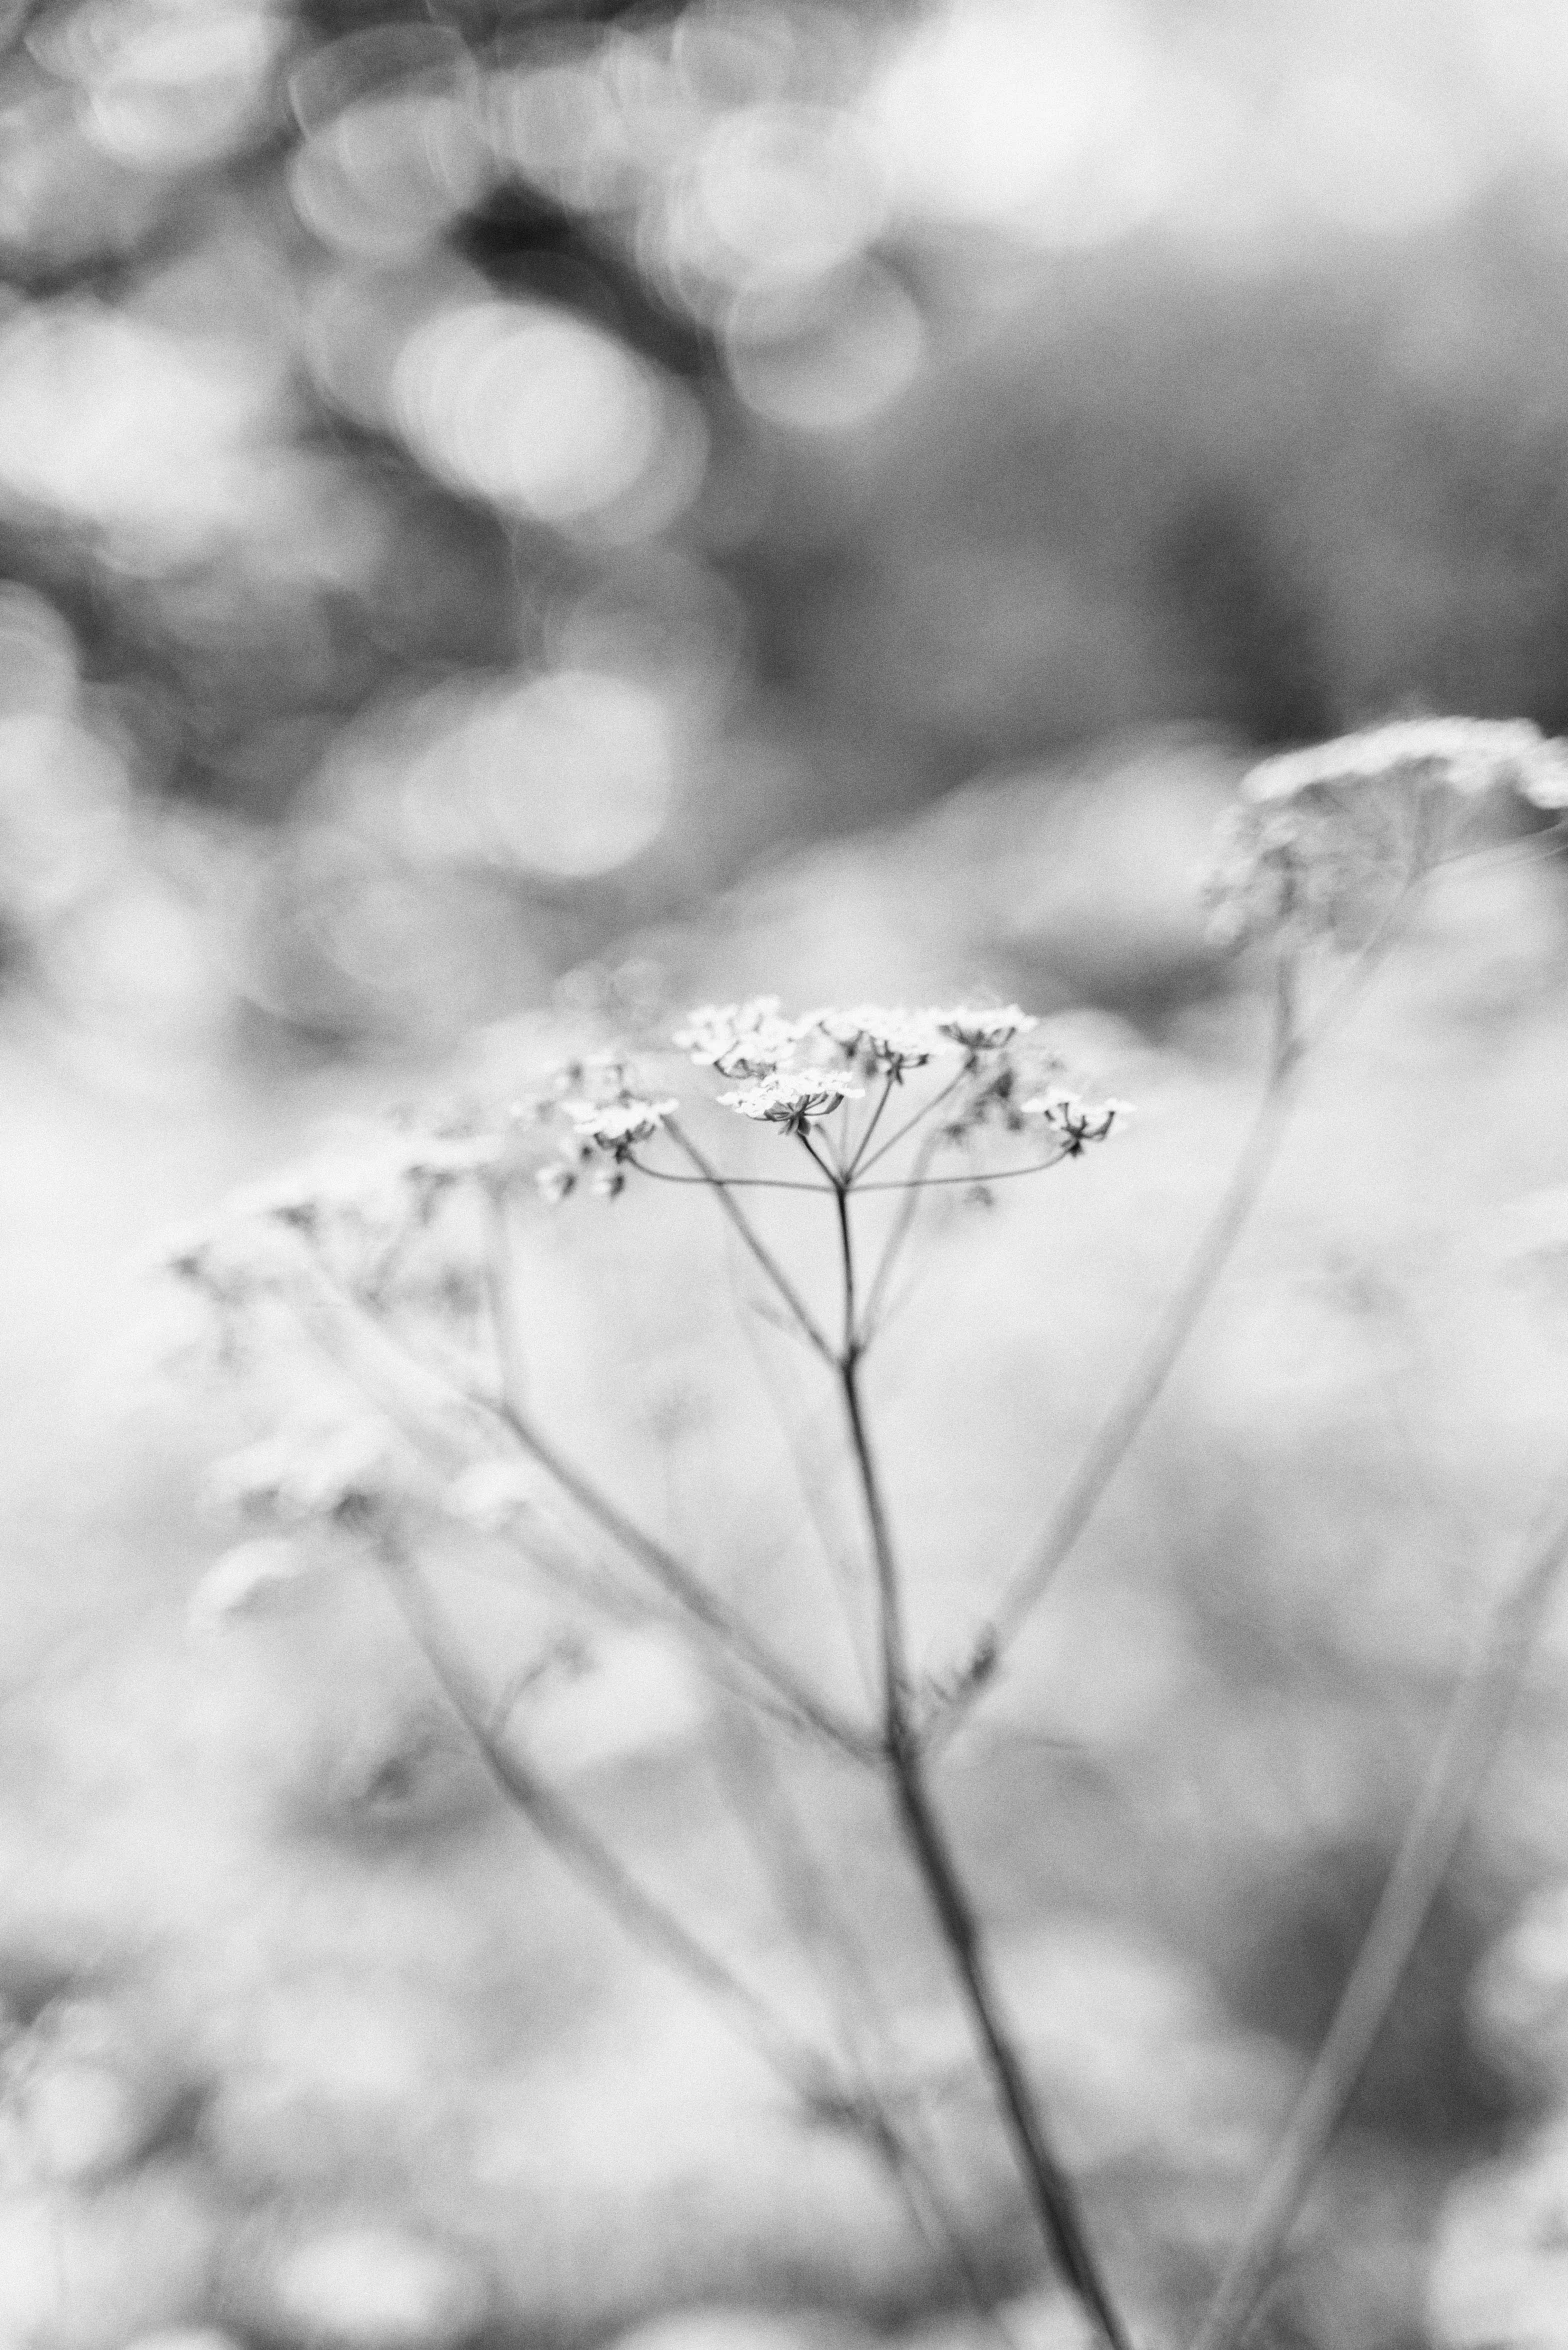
[(473, 476)]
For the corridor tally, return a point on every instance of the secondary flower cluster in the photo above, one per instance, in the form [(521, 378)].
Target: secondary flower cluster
[(1326, 839)]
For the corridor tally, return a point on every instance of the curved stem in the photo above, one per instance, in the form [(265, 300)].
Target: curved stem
[(1472, 1731), (976, 1176), (730, 1182)]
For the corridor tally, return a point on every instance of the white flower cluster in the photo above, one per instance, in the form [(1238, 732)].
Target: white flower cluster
[(741, 1040), (1311, 868), (1326, 838), (791, 1098), (1015, 1096), (1072, 1120), (607, 1118), (801, 1069)]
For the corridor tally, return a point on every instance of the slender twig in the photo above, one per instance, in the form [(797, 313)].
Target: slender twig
[(903, 1223), (1051, 2191), (890, 1142), (850, 1348), (990, 1175), (751, 1786), (1472, 1731), (872, 1123), (731, 1182), (1054, 2196), (834, 1173), (1113, 1438)]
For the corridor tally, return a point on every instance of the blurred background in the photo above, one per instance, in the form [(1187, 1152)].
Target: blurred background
[(498, 496)]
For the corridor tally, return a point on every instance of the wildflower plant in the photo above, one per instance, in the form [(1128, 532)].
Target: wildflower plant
[(388, 1277)]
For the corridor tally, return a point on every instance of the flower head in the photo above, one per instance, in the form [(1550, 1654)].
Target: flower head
[(1072, 1120), (1316, 866), (983, 1028), (877, 1040), (1327, 838), (741, 1040), (791, 1098), (617, 1127)]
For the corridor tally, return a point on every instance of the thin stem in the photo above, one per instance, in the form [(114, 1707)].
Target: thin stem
[(1055, 2199), (1051, 2191), (861, 1147), (806, 1897), (731, 1182), (1472, 1731), (851, 1345), (753, 1242), (902, 1224), (890, 1613), (834, 1173), (644, 1918), (890, 1142), (987, 1175), (1112, 1440)]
